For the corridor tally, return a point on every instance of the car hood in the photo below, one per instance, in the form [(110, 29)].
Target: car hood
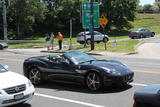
[(151, 89), (10, 79), (110, 65)]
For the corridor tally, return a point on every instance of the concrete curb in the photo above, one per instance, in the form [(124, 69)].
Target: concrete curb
[(63, 51)]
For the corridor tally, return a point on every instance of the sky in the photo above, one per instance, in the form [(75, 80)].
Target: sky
[(143, 2)]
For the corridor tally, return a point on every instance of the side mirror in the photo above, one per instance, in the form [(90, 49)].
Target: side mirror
[(6, 67)]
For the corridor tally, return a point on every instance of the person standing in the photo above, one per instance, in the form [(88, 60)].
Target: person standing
[(47, 38), (60, 39), (52, 40)]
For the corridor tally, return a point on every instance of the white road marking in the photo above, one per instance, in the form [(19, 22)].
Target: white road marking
[(80, 102), (68, 100), (138, 84)]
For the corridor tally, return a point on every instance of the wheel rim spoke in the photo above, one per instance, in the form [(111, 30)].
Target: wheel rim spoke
[(37, 72), (97, 82), (32, 73), (89, 79), (35, 76), (93, 81), (94, 86), (90, 84), (94, 77)]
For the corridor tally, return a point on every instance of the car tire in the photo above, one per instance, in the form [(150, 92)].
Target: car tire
[(105, 40), (132, 37), (88, 41), (152, 34), (93, 81), (98, 41), (35, 76), (141, 36)]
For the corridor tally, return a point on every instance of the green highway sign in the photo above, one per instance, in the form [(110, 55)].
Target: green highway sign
[(86, 14)]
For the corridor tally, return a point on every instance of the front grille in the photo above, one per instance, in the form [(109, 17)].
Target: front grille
[(16, 89)]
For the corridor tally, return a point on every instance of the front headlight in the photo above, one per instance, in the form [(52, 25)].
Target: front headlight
[(111, 71), (29, 83)]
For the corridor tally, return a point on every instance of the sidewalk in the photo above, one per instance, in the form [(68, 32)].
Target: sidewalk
[(148, 48), (43, 51)]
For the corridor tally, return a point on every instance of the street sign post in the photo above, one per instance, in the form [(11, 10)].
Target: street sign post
[(103, 21), (86, 14)]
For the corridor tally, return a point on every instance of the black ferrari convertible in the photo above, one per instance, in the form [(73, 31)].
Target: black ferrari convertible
[(77, 67)]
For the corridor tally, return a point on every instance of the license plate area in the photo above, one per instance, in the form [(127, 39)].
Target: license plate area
[(18, 96)]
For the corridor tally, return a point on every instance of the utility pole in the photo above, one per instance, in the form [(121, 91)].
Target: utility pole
[(92, 26), (71, 46), (4, 21)]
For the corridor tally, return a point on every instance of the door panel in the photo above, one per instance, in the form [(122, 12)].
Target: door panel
[(61, 71)]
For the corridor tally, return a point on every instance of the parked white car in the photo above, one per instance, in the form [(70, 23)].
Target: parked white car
[(14, 88), (98, 37)]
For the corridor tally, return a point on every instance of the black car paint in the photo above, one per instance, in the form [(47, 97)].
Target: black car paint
[(149, 95), (77, 73)]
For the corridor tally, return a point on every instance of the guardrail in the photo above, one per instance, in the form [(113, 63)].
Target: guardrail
[(23, 41)]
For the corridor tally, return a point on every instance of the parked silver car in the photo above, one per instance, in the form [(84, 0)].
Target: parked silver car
[(3, 45), (141, 33), (98, 37)]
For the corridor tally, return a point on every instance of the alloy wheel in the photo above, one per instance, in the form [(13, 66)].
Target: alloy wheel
[(35, 76), (152, 34), (93, 81)]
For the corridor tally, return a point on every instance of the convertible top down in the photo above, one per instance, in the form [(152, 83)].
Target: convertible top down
[(77, 67)]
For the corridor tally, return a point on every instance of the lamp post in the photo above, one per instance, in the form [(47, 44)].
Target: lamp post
[(70, 45), (5, 21), (92, 25)]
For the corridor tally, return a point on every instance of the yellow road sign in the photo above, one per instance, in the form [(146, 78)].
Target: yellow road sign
[(103, 21)]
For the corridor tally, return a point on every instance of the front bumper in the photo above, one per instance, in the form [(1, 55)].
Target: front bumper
[(134, 35), (8, 99), (110, 80)]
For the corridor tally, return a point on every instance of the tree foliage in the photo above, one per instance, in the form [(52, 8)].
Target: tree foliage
[(31, 17), (148, 7), (22, 15), (119, 12), (158, 4)]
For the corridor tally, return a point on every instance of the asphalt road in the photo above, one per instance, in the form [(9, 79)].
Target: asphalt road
[(73, 95)]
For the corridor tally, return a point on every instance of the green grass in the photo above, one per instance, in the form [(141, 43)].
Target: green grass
[(26, 45), (149, 21), (123, 46)]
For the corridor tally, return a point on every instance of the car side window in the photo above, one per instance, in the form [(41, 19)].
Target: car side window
[(96, 33), (67, 61)]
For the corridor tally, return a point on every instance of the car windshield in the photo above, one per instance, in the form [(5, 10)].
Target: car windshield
[(2, 69), (136, 30), (79, 57)]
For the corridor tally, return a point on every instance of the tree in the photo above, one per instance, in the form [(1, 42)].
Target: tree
[(1, 23), (119, 12), (59, 14), (22, 15), (158, 4), (148, 7)]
